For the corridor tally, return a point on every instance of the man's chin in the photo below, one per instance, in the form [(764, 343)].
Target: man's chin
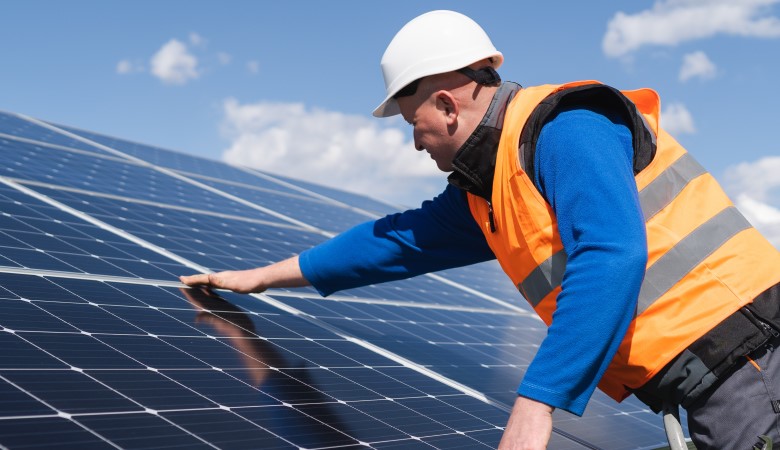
[(445, 167)]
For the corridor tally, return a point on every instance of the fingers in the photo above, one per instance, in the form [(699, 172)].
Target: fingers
[(195, 280), (220, 280), (231, 280)]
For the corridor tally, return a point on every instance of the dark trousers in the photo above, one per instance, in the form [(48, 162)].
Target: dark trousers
[(742, 406)]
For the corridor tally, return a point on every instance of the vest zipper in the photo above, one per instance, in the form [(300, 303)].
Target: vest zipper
[(769, 329), (491, 219)]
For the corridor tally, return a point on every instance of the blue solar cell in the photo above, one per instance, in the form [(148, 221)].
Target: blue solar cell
[(45, 242), (422, 289), (35, 287), (367, 204), (212, 241), (42, 432), (402, 418), (108, 175), (457, 441), (404, 444), (377, 379), (458, 419), (21, 353), (229, 388), (228, 355), (153, 352), (78, 350), (18, 403), (98, 293), (49, 243), (339, 387), (327, 216), (70, 391), (13, 125), (294, 391), (487, 278), (151, 389), (141, 430), (229, 430), (35, 259), (207, 170), (179, 161), (357, 424), (19, 316), (154, 296)]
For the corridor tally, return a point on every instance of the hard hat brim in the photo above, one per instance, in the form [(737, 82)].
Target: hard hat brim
[(388, 108)]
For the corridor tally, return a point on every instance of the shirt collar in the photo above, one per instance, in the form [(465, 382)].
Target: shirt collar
[(475, 161)]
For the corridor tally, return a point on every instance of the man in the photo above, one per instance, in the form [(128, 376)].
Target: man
[(649, 279)]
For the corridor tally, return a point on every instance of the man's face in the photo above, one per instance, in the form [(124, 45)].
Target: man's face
[(432, 128)]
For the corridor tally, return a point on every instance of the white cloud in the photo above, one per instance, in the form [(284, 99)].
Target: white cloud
[(697, 64), (676, 119), (764, 217), (197, 40), (350, 152), (224, 58), (124, 66), (670, 22), (755, 186), (174, 64), (759, 179), (254, 67)]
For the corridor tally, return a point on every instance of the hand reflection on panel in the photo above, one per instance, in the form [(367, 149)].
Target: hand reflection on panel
[(258, 357), (256, 354)]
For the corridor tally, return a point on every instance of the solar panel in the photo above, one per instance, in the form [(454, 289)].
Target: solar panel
[(104, 348), (347, 198), (14, 125)]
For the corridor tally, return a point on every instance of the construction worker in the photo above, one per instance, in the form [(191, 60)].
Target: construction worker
[(651, 282)]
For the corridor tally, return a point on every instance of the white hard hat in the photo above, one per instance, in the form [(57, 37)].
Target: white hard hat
[(435, 42)]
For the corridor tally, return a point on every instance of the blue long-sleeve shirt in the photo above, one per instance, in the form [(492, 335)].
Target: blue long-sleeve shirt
[(583, 168)]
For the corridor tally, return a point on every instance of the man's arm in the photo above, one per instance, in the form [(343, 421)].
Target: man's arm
[(586, 174), (529, 426)]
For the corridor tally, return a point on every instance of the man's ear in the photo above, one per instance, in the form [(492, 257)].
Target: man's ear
[(447, 105)]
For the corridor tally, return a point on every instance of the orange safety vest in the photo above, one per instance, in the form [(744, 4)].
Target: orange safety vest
[(705, 260)]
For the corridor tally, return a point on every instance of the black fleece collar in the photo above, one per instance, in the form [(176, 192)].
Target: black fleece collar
[(475, 161)]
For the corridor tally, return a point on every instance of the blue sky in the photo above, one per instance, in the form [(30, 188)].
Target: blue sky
[(289, 86)]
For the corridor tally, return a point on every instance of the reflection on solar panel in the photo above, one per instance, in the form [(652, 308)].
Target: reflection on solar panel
[(103, 348)]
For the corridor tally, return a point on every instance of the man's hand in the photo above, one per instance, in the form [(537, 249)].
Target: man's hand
[(529, 426), (241, 281), (285, 273)]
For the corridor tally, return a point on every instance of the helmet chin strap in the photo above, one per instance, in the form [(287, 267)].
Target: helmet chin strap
[(484, 76)]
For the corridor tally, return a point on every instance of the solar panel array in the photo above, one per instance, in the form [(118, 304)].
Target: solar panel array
[(103, 348)]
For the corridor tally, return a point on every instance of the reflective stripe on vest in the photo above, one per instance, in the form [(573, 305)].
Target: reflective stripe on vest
[(544, 279), (689, 253), (670, 269)]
